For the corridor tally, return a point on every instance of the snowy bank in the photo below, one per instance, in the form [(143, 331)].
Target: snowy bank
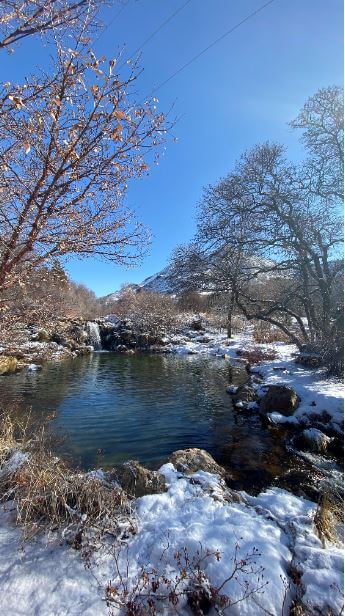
[(322, 397), (194, 513)]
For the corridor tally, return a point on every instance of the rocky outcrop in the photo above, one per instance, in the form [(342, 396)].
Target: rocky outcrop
[(121, 336), (138, 481), (192, 460), (280, 398)]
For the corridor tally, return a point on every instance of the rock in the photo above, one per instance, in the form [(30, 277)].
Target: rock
[(137, 481), (42, 335), (192, 460), (245, 393), (279, 398), (312, 360), (33, 368), (8, 365), (61, 339), (196, 323), (316, 440), (121, 348), (84, 349), (78, 333), (232, 389)]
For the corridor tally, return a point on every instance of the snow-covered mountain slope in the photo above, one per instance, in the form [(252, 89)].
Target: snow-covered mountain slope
[(157, 283), (160, 283)]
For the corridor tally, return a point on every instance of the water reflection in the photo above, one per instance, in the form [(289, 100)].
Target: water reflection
[(145, 407)]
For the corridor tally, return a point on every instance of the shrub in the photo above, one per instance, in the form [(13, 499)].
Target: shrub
[(329, 515), (153, 591), (47, 494), (150, 313), (265, 333), (256, 355)]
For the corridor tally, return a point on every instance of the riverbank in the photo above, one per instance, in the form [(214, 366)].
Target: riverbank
[(251, 555), (321, 396), (212, 529)]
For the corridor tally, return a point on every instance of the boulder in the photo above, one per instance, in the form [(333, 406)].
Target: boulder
[(245, 393), (280, 398), (61, 339), (192, 460), (42, 335), (78, 333), (316, 440), (121, 348), (197, 324), (137, 481), (311, 360), (8, 365)]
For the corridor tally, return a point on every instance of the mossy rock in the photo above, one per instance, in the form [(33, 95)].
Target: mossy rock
[(193, 459), (8, 365), (138, 481), (280, 398), (43, 336)]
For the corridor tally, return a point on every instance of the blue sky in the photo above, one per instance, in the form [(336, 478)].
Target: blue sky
[(242, 91)]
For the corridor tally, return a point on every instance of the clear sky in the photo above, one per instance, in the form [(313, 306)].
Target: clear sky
[(242, 91)]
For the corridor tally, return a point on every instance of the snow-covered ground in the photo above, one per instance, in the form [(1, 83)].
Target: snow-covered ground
[(45, 577)]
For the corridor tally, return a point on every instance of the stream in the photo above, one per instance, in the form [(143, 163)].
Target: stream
[(111, 408)]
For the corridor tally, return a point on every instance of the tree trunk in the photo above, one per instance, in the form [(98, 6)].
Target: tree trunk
[(230, 313), (229, 324)]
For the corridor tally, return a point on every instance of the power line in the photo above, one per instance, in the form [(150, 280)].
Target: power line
[(164, 23), (203, 51), (117, 14)]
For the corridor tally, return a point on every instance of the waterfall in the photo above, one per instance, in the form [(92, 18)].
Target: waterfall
[(94, 335)]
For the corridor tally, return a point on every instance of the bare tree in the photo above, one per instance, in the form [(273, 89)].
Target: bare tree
[(201, 267), (70, 141), (270, 232), (20, 19), (149, 312), (290, 236), (322, 122), (44, 297)]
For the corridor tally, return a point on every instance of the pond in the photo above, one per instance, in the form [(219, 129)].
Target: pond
[(112, 408)]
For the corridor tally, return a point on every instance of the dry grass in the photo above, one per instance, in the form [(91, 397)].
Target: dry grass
[(329, 515), (256, 355), (264, 333), (49, 495)]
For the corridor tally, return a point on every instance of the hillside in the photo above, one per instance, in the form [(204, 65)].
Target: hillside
[(159, 283), (156, 283)]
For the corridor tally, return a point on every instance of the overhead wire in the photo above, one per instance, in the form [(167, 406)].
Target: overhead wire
[(164, 23), (117, 14), (215, 42)]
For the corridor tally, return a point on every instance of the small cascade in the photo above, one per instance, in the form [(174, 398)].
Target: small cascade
[(94, 335)]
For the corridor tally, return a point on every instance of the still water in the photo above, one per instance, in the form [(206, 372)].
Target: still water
[(112, 408)]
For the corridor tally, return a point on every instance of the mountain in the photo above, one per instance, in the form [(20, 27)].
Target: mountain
[(157, 283)]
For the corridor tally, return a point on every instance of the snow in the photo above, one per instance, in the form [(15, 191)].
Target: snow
[(45, 577), (13, 462), (33, 367), (322, 569)]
